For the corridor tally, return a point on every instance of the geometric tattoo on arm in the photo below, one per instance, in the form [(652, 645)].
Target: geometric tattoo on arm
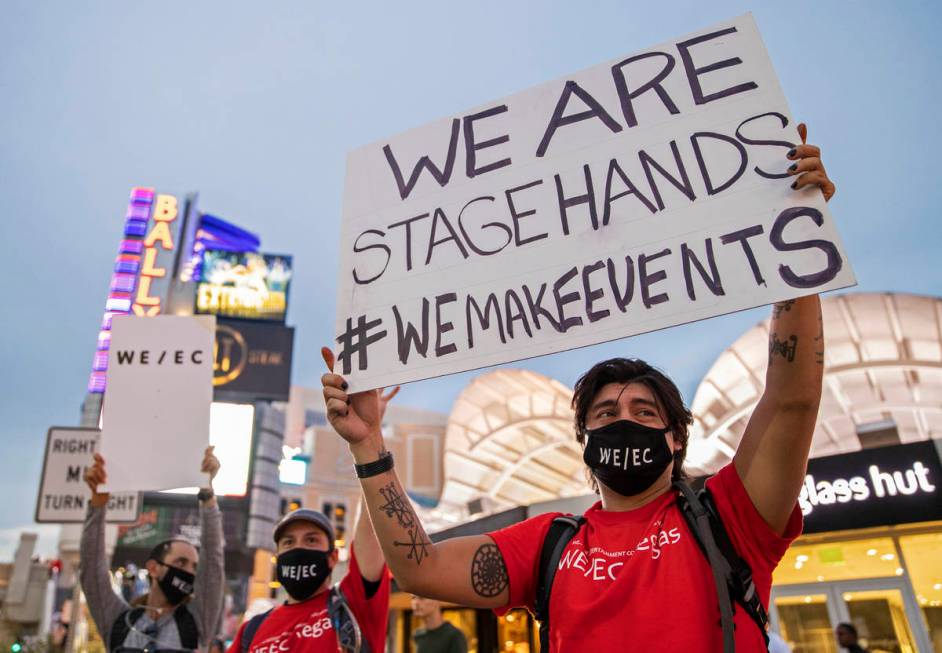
[(399, 508), (488, 572)]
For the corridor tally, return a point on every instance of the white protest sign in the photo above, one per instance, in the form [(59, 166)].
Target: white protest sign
[(63, 495), (642, 193), (155, 422)]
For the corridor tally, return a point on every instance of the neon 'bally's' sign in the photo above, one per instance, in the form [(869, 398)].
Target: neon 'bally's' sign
[(165, 212)]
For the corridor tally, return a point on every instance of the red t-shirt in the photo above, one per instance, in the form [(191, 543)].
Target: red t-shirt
[(637, 581), (305, 627)]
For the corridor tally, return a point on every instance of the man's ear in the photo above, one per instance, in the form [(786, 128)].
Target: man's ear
[(152, 567), (333, 557), (675, 443)]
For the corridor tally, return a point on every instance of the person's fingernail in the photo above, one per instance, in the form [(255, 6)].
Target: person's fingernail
[(344, 385), (792, 153), (795, 185), (793, 167)]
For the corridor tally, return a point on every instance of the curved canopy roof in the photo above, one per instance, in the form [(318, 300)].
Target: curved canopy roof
[(509, 438), (882, 379), (509, 443)]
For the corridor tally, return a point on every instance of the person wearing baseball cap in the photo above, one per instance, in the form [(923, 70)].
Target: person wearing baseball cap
[(316, 617), (350, 616)]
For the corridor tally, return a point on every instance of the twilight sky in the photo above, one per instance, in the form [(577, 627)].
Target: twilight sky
[(255, 105)]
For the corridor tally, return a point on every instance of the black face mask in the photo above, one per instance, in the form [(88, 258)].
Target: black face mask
[(302, 571), (176, 584), (626, 456)]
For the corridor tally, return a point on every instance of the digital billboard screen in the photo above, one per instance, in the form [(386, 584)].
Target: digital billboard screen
[(230, 433), (245, 285)]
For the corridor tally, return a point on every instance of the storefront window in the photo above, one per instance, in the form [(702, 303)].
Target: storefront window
[(464, 620), (804, 623), (880, 620), (817, 563), (513, 632), (923, 554)]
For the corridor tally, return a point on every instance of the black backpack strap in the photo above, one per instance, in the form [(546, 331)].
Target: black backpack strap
[(699, 511), (248, 633), (349, 635), (186, 627), (742, 585), (562, 529), (121, 627)]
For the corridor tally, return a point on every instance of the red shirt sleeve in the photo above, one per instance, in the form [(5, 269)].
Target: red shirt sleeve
[(754, 539), (371, 613), (520, 545)]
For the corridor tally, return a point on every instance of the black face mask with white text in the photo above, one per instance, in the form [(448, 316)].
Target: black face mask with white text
[(176, 584), (302, 571), (626, 456)]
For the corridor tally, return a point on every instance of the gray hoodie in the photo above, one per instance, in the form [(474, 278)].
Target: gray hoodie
[(106, 605)]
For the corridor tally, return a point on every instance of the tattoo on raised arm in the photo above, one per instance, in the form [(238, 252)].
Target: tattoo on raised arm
[(782, 307), (399, 508), (785, 348), (488, 572)]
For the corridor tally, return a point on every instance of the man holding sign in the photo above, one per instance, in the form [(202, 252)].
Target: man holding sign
[(183, 608), (632, 573)]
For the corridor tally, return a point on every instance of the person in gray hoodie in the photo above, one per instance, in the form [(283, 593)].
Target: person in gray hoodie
[(183, 608)]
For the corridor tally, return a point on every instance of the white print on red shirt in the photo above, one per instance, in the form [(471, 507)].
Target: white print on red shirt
[(316, 625), (599, 566)]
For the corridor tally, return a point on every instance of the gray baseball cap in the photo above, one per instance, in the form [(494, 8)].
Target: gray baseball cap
[(319, 519)]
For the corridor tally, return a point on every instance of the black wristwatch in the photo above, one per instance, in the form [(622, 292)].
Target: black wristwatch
[(205, 494), (383, 464)]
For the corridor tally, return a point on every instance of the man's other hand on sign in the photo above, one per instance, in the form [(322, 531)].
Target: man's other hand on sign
[(808, 166), (183, 607), (634, 557)]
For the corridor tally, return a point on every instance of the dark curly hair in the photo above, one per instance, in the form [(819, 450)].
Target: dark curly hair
[(632, 370)]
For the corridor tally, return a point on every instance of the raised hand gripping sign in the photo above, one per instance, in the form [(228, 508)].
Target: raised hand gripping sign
[(635, 195)]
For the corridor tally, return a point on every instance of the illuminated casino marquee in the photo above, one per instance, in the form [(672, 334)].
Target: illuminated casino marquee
[(245, 285), (150, 231)]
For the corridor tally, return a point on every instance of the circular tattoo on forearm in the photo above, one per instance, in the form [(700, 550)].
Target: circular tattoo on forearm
[(488, 572)]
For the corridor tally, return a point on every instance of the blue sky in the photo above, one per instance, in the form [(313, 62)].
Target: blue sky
[(256, 104)]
